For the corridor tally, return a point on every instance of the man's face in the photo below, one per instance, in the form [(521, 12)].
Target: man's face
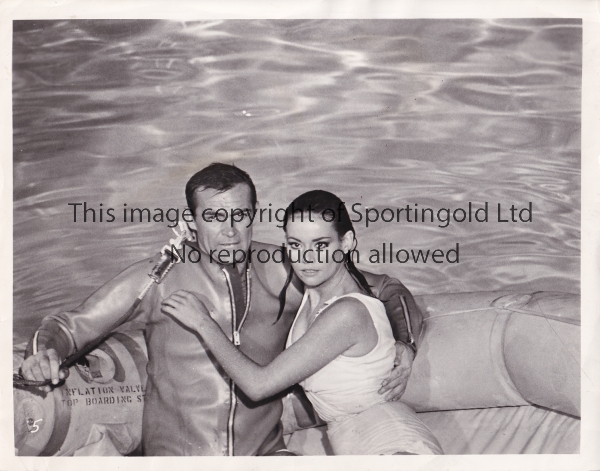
[(213, 221)]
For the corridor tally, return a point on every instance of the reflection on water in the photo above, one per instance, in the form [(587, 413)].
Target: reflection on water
[(386, 113)]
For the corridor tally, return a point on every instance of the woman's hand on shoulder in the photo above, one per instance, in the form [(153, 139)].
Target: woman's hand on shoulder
[(185, 307)]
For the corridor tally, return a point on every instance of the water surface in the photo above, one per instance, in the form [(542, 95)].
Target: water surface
[(386, 113)]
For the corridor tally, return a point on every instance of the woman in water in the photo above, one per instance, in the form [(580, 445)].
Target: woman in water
[(340, 347)]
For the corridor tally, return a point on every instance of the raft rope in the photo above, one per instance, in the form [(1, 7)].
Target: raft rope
[(506, 308), (157, 274)]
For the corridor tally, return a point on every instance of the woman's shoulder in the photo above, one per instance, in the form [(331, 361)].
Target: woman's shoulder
[(348, 309), (350, 317), (355, 299)]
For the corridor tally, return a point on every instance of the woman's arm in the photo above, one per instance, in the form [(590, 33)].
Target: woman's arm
[(341, 326)]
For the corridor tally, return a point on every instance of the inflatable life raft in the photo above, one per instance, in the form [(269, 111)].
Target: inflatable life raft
[(495, 373), (97, 410)]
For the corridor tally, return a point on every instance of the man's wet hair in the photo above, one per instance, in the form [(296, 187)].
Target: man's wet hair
[(220, 177)]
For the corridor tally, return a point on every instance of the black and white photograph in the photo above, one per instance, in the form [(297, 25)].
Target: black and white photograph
[(298, 238)]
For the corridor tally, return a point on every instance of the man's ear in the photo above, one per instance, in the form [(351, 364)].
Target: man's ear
[(192, 229), (192, 225), (255, 212)]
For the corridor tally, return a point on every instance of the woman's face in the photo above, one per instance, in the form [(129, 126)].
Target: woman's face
[(315, 249)]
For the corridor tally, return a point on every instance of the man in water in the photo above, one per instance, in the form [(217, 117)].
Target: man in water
[(191, 406)]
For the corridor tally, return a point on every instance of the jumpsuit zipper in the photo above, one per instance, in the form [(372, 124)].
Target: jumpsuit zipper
[(235, 334)]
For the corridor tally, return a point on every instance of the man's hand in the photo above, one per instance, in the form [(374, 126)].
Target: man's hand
[(395, 384), (187, 309), (43, 366)]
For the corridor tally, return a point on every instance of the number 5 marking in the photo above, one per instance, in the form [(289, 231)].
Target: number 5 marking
[(35, 425)]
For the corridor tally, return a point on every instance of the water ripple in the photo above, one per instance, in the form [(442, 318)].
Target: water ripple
[(385, 113)]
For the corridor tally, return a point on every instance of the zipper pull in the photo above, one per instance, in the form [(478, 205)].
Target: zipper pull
[(236, 338)]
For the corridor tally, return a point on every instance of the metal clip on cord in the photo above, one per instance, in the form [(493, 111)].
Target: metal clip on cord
[(157, 274), (169, 257)]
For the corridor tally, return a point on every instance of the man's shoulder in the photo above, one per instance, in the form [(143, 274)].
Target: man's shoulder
[(381, 284), (137, 271), (378, 280), (273, 256), (271, 265), (256, 246)]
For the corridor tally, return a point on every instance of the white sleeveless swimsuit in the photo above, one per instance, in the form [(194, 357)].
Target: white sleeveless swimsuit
[(344, 394)]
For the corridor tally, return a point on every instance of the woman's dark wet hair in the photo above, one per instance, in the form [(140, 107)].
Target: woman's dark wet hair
[(321, 203)]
